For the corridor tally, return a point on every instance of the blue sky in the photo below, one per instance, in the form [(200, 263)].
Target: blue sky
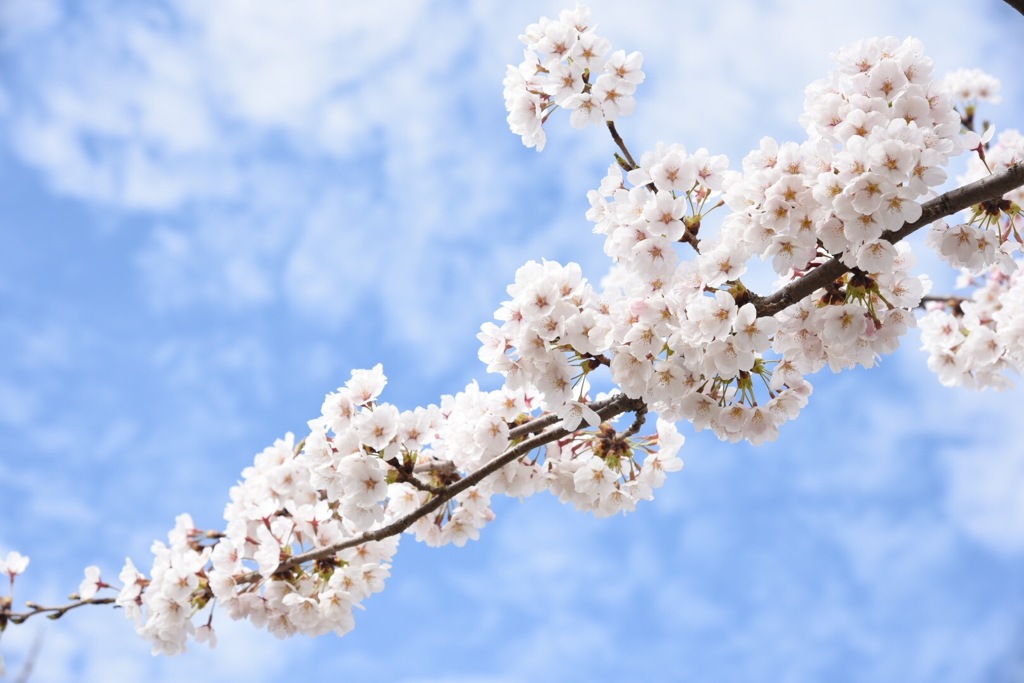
[(211, 212)]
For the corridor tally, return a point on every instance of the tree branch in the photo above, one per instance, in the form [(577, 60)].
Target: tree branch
[(606, 409), (621, 145), (32, 609), (1016, 4), (952, 301), (995, 185)]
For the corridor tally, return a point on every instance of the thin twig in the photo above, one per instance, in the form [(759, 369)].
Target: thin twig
[(416, 483), (638, 422), (33, 609), (443, 468), (621, 144), (951, 303), (936, 299), (689, 237)]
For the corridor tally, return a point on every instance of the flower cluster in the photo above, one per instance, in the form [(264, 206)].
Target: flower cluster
[(974, 342), (971, 86), (555, 331), (552, 321), (601, 472), (298, 553), (879, 133), (685, 336), (294, 499), (992, 233), (662, 338), (565, 65)]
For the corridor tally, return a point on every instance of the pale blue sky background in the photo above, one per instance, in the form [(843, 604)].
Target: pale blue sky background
[(211, 211)]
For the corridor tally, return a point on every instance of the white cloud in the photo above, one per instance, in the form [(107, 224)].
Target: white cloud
[(221, 263), (100, 646), (276, 65), (20, 20), (328, 272), (971, 441), (19, 405), (985, 495)]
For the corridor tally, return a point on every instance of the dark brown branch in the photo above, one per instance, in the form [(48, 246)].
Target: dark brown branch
[(952, 304), (405, 475), (1016, 4), (638, 422), (621, 144), (995, 185), (533, 426), (443, 468), (606, 409), (948, 300)]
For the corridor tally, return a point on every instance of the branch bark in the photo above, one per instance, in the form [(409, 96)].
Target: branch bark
[(32, 609), (606, 409), (1016, 4), (995, 185)]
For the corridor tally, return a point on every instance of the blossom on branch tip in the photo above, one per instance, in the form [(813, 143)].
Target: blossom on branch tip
[(91, 584), (13, 564), (560, 56)]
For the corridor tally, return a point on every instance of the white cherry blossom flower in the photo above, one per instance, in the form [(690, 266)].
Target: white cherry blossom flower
[(14, 564)]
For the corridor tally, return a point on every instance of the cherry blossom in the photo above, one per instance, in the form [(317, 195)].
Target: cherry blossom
[(13, 564)]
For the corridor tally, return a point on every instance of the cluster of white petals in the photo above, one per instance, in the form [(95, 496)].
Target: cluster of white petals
[(1007, 150), (328, 490), (363, 466), (975, 342), (602, 473), (567, 65), (283, 508), (13, 563), (880, 132), (991, 234), (972, 86), (686, 337)]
